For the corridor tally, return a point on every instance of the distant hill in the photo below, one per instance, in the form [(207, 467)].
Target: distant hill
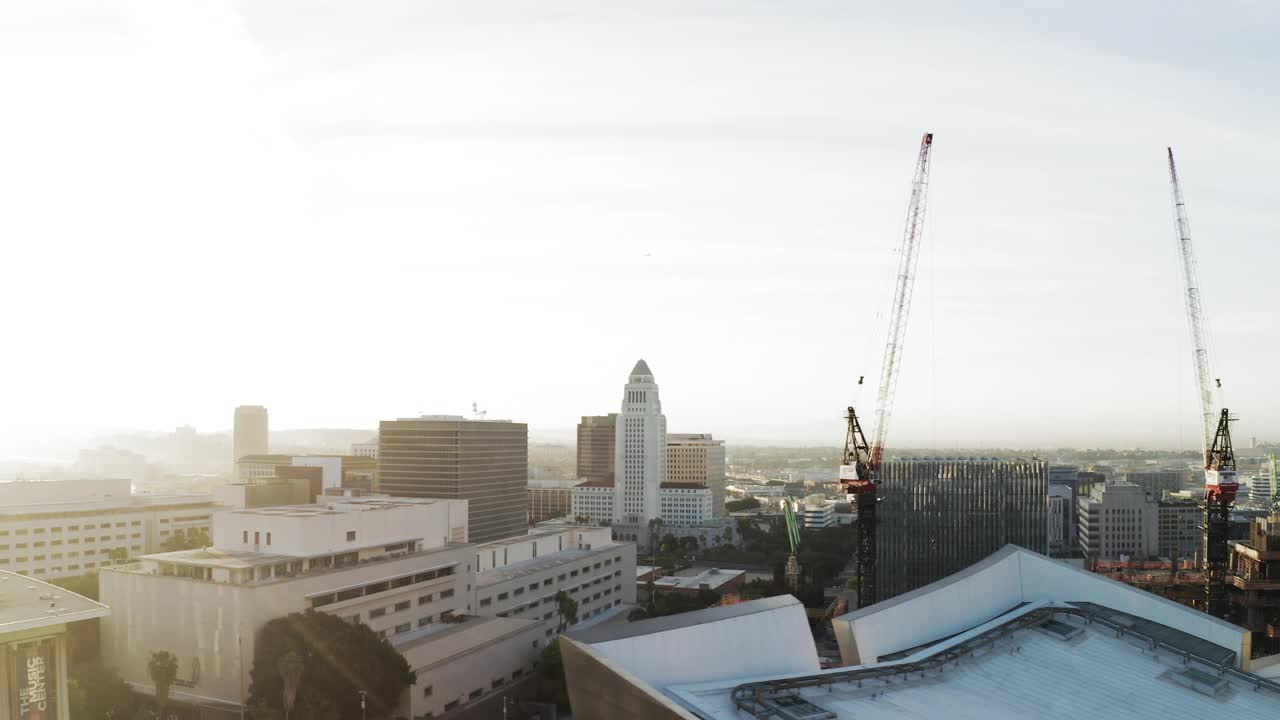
[(319, 440)]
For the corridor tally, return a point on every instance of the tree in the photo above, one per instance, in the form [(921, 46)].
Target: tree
[(94, 691), (192, 539), (551, 682), (118, 555), (290, 668), (163, 669), (339, 659), (747, 503), (567, 608)]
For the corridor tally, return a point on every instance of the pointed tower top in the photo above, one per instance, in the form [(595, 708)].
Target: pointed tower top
[(641, 368)]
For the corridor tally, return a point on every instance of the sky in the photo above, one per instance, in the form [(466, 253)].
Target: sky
[(354, 211)]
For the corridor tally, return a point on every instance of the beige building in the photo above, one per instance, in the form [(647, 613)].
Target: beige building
[(402, 566), (249, 434), (63, 528), (335, 471), (698, 459), (596, 438), (485, 462), (548, 501)]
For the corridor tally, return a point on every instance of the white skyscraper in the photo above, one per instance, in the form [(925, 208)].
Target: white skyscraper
[(640, 450)]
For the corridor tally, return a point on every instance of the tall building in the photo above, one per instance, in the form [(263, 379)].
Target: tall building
[(1118, 519), (697, 458), (485, 462), (1062, 515), (249, 437), (596, 436), (640, 450), (940, 515)]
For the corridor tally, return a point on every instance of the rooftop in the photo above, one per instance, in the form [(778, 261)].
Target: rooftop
[(433, 646), (335, 505), (712, 578), (682, 486), (27, 604), (532, 565), (595, 484)]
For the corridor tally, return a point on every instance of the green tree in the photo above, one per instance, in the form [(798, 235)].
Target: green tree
[(163, 669), (339, 659), (290, 668), (552, 686), (567, 608), (94, 692), (118, 555), (192, 539)]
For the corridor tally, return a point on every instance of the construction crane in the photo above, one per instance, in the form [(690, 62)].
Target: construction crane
[(792, 570), (1275, 485), (1220, 483), (860, 466)]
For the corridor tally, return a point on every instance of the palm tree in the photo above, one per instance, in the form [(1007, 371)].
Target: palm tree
[(290, 668), (163, 668), (568, 609)]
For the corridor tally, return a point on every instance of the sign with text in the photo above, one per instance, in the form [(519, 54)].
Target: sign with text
[(34, 680)]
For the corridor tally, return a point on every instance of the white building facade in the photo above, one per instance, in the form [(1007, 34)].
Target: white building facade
[(63, 528), (1118, 519), (684, 504), (593, 499), (640, 450)]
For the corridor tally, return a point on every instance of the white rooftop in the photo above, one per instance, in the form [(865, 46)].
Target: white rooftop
[(1016, 635), (27, 604), (712, 578)]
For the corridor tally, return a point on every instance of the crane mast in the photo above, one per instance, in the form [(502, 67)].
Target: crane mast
[(1220, 483), (860, 466)]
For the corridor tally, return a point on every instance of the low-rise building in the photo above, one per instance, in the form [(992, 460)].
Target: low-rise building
[(716, 580), (684, 503), (63, 528), (401, 566), (34, 617), (816, 511)]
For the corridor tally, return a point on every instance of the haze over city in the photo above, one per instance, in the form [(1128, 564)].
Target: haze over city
[(214, 204)]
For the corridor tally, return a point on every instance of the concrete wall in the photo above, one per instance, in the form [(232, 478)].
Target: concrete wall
[(507, 660), (319, 534)]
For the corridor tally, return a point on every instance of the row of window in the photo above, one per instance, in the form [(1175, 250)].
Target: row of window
[(382, 586), (497, 683)]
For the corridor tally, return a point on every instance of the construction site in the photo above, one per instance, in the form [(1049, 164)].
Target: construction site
[(922, 519)]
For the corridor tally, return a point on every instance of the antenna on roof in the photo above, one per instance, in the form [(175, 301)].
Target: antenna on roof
[(477, 413)]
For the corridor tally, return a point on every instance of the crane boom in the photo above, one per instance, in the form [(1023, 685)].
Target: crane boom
[(907, 256), (1220, 484), (1195, 312), (860, 466)]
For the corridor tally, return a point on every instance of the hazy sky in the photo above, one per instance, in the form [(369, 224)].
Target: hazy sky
[(350, 211)]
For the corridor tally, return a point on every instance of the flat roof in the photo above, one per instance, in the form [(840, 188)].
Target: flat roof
[(27, 603), (358, 503), (713, 578), (533, 565), (426, 648)]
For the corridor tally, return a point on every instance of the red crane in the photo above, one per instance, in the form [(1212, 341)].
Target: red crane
[(860, 466)]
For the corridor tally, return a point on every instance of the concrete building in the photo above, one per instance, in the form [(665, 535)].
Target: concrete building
[(1069, 476), (63, 528), (336, 471), (816, 511), (684, 503), (1118, 519), (1157, 483), (249, 434), (597, 436), (399, 565), (716, 580), (1178, 531), (593, 499), (1062, 515), (640, 450), (365, 449), (549, 499), (698, 458), (940, 515), (1255, 578), (1015, 635), (485, 462), (34, 617)]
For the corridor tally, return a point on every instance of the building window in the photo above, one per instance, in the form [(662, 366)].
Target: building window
[(377, 612), (244, 537), (402, 606), (503, 596), (351, 536), (423, 622), (424, 599), (446, 594), (475, 694), (402, 628), (426, 691), (268, 538), (486, 602)]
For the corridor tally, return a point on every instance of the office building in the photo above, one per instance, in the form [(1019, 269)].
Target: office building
[(816, 511), (249, 435), (62, 528), (468, 618), (640, 450), (698, 458), (684, 503), (549, 499), (1157, 483), (597, 435), (1016, 635), (1118, 519), (485, 462), (365, 449), (1062, 516), (335, 471), (34, 619), (593, 500), (940, 515)]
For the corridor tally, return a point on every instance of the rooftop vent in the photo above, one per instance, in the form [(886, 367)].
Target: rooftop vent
[(1059, 629), (793, 707), (1200, 681)]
